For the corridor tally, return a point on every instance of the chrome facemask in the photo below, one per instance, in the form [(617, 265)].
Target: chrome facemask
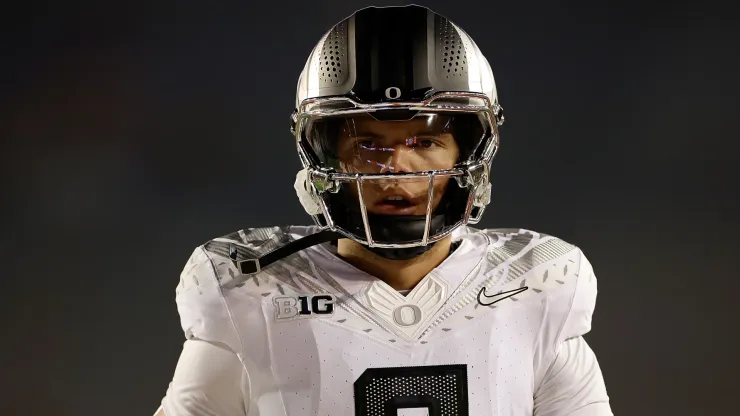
[(397, 175)]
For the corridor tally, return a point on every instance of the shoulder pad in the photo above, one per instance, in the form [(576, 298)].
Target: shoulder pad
[(200, 304), (522, 257)]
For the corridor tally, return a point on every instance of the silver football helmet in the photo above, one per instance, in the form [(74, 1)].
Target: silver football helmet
[(396, 123)]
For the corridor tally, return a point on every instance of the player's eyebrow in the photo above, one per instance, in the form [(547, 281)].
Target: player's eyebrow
[(366, 135), (426, 133)]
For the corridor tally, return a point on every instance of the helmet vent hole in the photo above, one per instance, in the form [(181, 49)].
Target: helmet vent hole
[(451, 48), (331, 56)]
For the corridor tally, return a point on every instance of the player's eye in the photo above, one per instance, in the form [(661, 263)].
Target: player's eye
[(422, 142), (366, 144), (426, 143)]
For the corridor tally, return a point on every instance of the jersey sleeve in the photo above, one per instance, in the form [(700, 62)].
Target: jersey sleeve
[(570, 381), (209, 379)]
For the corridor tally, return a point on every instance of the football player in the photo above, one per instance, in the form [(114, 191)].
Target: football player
[(391, 304)]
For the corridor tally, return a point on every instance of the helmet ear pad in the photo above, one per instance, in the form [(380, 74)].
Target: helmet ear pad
[(346, 213)]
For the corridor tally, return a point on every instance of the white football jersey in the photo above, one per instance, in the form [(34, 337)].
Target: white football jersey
[(312, 335)]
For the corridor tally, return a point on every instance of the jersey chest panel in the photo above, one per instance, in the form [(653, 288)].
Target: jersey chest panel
[(324, 366)]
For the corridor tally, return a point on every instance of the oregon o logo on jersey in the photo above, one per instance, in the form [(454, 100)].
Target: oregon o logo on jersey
[(407, 315)]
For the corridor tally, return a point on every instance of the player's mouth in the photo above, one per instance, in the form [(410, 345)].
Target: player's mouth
[(398, 205)]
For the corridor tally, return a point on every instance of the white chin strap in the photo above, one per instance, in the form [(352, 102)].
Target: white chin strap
[(302, 189)]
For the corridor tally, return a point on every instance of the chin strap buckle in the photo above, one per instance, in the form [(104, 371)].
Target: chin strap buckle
[(249, 266)]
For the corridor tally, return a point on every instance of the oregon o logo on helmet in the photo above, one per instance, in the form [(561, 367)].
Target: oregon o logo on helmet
[(392, 93)]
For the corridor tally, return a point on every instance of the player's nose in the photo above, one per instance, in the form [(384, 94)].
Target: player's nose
[(401, 159)]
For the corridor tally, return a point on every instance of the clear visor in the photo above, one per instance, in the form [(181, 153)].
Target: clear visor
[(394, 141)]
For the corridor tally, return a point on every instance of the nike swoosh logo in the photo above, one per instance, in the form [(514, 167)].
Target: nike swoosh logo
[(498, 297)]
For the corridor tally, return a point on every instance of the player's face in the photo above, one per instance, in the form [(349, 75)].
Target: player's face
[(367, 145)]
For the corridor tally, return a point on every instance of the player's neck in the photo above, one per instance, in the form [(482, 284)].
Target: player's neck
[(398, 274)]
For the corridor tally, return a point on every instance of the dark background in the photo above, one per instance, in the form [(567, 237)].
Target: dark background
[(134, 132)]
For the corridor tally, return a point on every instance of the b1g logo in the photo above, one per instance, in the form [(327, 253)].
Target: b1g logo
[(317, 306)]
